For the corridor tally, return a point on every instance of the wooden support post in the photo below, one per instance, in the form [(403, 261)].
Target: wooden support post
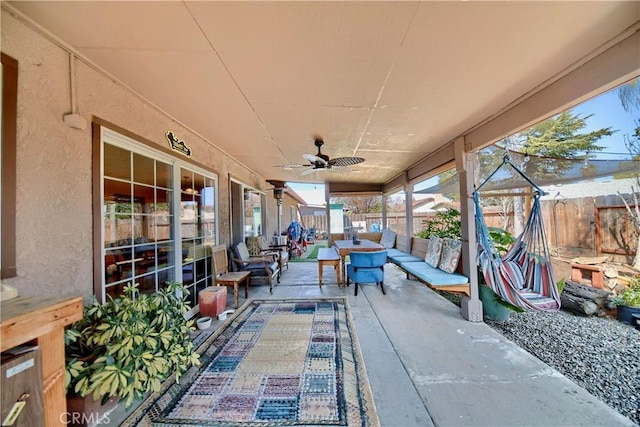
[(471, 307)]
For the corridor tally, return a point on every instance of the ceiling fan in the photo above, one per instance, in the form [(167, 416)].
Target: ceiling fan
[(321, 161)]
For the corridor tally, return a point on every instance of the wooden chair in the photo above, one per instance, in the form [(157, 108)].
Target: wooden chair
[(223, 277), (261, 268), (282, 253)]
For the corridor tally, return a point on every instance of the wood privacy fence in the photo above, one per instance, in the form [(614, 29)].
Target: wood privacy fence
[(575, 227)]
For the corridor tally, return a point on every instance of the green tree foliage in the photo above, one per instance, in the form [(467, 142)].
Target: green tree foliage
[(560, 137), (444, 224)]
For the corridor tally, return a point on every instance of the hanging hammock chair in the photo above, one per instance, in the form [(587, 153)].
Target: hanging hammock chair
[(524, 275)]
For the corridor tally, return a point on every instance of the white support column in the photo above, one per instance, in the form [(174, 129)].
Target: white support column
[(383, 226), (327, 198), (471, 308), (408, 191), (279, 203)]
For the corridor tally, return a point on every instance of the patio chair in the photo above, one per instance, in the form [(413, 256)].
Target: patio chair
[(367, 267), (281, 252), (262, 268), (311, 235)]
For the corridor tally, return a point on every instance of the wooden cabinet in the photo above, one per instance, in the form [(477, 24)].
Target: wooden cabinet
[(41, 321)]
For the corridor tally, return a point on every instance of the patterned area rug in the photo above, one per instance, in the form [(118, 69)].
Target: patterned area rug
[(274, 363)]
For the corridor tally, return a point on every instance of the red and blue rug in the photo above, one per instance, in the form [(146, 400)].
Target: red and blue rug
[(274, 363)]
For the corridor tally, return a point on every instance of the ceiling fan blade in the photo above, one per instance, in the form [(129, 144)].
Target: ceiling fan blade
[(290, 167), (310, 170), (345, 161), (339, 169), (313, 159)]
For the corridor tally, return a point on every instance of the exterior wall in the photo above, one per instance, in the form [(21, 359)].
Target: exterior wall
[(54, 250)]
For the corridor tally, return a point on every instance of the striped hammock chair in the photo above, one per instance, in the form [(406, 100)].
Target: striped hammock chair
[(524, 275)]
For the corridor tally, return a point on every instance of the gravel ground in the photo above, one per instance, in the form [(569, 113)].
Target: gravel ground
[(600, 354)]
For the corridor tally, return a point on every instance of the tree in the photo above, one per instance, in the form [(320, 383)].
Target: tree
[(361, 205), (560, 137), (629, 95)]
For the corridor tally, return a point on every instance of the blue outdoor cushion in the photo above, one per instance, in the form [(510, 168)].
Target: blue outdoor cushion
[(395, 252), (433, 276), (405, 258)]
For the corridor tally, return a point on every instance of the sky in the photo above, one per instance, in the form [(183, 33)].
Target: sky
[(606, 111)]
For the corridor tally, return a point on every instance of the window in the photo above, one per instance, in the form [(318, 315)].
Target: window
[(252, 213), (158, 219), (197, 226), (9, 89)]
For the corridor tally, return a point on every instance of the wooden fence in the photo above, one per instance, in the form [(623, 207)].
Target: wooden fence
[(575, 227)]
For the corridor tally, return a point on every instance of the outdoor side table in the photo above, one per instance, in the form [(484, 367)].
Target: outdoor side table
[(234, 279)]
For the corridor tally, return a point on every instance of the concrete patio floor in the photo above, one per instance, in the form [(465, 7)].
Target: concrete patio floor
[(427, 366)]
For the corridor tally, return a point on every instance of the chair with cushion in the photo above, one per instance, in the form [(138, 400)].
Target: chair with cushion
[(281, 252), (367, 267), (262, 268)]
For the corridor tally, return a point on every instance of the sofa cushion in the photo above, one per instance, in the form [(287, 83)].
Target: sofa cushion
[(399, 259), (395, 252), (434, 249), (258, 269), (388, 239), (451, 250), (433, 276)]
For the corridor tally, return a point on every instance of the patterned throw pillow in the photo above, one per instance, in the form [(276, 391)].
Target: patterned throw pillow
[(253, 246), (434, 249), (388, 239), (451, 250)]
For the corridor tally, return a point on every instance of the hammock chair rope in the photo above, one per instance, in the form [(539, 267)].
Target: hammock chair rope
[(524, 275)]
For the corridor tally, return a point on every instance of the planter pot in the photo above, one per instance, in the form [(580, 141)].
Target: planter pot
[(203, 322), (86, 412), (491, 308), (626, 314)]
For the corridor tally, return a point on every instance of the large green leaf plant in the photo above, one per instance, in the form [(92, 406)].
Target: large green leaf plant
[(130, 345)]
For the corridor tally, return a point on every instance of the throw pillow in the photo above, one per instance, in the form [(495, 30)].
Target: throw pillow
[(434, 250), (451, 250), (388, 239), (253, 246)]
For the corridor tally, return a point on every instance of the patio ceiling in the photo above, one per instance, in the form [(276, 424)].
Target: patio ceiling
[(388, 81)]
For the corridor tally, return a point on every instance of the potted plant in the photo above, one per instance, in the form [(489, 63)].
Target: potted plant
[(628, 303), (493, 306), (126, 347)]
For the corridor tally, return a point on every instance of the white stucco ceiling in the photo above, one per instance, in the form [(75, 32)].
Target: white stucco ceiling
[(388, 81)]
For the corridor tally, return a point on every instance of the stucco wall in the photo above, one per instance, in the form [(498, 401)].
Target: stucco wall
[(54, 171)]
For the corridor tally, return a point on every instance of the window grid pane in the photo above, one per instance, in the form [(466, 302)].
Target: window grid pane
[(138, 212)]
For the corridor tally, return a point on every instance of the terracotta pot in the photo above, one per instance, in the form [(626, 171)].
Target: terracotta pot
[(86, 412)]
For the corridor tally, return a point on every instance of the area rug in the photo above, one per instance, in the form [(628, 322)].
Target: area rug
[(273, 363)]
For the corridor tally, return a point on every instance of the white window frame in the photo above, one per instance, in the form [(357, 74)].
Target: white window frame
[(116, 139)]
